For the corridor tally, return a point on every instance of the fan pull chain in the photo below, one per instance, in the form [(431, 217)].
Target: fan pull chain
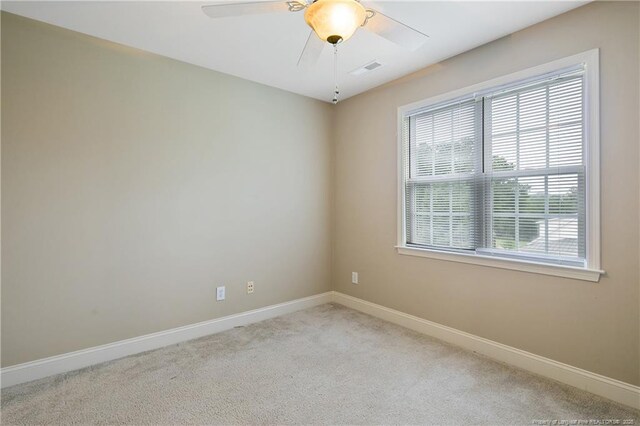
[(335, 73)]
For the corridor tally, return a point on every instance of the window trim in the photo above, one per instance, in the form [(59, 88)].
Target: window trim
[(592, 272)]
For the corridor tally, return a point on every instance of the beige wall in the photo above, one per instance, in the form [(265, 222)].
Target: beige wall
[(592, 326), (133, 185)]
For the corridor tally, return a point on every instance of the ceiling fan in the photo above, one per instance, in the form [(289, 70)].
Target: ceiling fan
[(331, 21)]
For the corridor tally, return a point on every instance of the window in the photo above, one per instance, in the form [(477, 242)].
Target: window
[(506, 173)]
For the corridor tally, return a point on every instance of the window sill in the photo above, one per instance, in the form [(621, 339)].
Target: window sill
[(584, 274)]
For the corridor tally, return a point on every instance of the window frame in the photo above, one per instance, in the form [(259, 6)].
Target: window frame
[(592, 271)]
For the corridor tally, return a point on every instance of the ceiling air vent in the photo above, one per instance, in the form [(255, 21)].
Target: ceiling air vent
[(366, 68)]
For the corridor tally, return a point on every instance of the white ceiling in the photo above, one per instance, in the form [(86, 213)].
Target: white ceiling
[(265, 48)]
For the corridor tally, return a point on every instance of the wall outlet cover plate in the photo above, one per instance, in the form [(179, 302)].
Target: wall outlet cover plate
[(220, 293)]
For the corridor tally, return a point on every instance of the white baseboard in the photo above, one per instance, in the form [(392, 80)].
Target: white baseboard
[(612, 389), (71, 361), (615, 390)]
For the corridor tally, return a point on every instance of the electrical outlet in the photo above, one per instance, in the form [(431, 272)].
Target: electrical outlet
[(250, 286), (220, 293), (354, 278)]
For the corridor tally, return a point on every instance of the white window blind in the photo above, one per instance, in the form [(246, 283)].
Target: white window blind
[(501, 173), (444, 161), (534, 161)]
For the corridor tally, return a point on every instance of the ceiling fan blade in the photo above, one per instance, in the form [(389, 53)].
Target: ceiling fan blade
[(311, 52), (225, 10), (395, 31)]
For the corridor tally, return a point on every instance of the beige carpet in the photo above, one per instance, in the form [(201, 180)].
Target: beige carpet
[(325, 365)]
